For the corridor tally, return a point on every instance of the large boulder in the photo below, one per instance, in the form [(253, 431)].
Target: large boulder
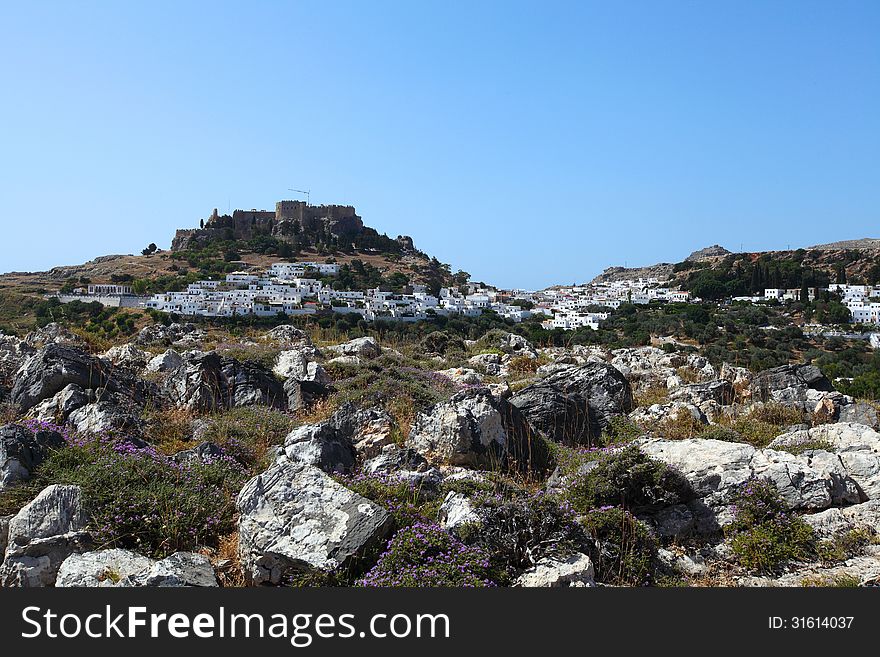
[(836, 521), (101, 568), (54, 333), (161, 335), (574, 405), (717, 469), (129, 355), (294, 518), (333, 445), (106, 415), (42, 535), (54, 367), (698, 394), (300, 364), (123, 568), (456, 511), (13, 353), (178, 570), (366, 347), (856, 449), (393, 460), (860, 413), (205, 381), (288, 335), (789, 385), (474, 428), (300, 395), (168, 361), (509, 343), (249, 384), (58, 408), (22, 449)]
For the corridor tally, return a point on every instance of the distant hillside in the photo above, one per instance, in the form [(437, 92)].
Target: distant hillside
[(866, 244), (743, 274), (715, 272), (662, 270)]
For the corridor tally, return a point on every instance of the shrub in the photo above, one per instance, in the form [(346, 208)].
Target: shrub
[(138, 499), (409, 503), (626, 477), (843, 580), (249, 433), (764, 534), (718, 432), (625, 552), (800, 448), (845, 545), (764, 423), (778, 414), (517, 533), (426, 555), (620, 430), (443, 344)]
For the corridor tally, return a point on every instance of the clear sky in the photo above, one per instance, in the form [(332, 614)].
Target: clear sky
[(528, 143)]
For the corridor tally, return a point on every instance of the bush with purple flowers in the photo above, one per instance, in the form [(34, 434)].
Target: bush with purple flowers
[(765, 535), (140, 499), (426, 555), (517, 533)]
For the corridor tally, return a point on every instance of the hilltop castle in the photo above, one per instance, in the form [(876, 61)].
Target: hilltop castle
[(290, 219)]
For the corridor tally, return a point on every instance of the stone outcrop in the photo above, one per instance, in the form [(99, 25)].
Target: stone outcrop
[(475, 429), (790, 385), (123, 568), (361, 347), (22, 450), (576, 570), (54, 367), (717, 469), (206, 382), (334, 444), (574, 405), (295, 518), (42, 535)]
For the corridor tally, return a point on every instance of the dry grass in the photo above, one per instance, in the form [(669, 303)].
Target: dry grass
[(687, 375), (8, 412), (523, 365), (226, 562), (840, 580), (171, 429), (404, 412), (679, 427), (652, 395), (319, 411)]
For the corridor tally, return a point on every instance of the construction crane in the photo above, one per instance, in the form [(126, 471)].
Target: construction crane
[(302, 191)]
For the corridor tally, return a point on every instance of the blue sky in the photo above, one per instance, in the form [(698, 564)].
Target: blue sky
[(528, 143)]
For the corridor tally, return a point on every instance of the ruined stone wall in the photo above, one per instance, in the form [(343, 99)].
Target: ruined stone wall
[(246, 224)]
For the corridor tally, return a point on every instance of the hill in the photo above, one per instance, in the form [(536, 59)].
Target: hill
[(715, 272), (246, 240)]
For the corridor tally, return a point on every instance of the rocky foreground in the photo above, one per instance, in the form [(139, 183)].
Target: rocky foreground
[(187, 459)]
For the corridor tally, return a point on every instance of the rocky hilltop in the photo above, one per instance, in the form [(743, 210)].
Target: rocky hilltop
[(866, 244), (661, 271), (191, 456), (714, 251), (295, 222)]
